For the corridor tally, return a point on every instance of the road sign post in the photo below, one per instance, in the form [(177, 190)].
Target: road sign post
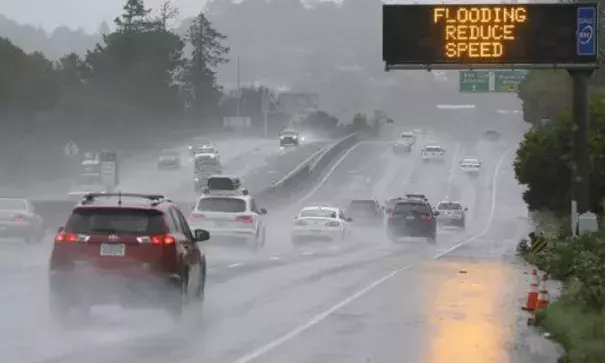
[(474, 81), (586, 45)]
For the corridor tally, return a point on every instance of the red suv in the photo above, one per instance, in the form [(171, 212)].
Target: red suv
[(131, 249)]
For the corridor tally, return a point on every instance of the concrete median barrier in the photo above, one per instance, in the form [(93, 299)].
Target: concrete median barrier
[(306, 173)]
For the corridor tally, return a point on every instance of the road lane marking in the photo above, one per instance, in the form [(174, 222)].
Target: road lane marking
[(235, 265), (326, 313), (274, 258)]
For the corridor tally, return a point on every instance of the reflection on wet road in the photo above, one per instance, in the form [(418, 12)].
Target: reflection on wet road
[(362, 300)]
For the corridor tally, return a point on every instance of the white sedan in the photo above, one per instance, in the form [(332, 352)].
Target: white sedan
[(321, 223), (470, 165)]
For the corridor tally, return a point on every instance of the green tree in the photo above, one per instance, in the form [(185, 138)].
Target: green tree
[(543, 162), (360, 123), (208, 53), (135, 17)]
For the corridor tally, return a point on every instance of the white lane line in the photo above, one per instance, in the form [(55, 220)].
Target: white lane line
[(325, 314), (235, 265), (275, 258), (307, 253)]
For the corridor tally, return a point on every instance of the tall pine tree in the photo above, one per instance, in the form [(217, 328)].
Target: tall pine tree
[(208, 53)]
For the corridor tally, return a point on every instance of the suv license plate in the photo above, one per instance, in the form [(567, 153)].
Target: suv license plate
[(410, 217), (117, 250)]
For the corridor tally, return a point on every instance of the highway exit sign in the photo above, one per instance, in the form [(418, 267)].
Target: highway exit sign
[(508, 81), (474, 81)]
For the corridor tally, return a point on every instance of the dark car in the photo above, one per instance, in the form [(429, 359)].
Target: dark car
[(412, 218), (289, 138), (492, 135), (365, 211), (170, 159), (204, 166), (19, 219), (133, 249)]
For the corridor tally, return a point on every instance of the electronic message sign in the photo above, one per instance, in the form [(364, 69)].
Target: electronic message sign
[(490, 35)]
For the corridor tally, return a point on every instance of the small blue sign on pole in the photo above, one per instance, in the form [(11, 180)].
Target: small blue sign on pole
[(586, 31), (545, 122)]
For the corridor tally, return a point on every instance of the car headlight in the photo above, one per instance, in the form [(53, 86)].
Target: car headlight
[(197, 179)]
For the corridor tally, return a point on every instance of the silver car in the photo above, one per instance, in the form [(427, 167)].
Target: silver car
[(19, 219)]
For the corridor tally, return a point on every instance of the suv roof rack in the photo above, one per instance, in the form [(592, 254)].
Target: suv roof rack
[(155, 199)]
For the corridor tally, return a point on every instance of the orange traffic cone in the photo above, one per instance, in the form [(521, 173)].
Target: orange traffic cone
[(543, 297), (532, 297)]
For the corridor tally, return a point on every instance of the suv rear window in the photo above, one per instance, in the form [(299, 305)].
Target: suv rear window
[(405, 208), (449, 206), (116, 221), (227, 205)]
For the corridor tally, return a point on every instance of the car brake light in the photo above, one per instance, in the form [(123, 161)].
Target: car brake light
[(332, 224), (159, 240), (62, 237), (18, 217), (197, 216), (244, 219), (426, 217), (300, 222)]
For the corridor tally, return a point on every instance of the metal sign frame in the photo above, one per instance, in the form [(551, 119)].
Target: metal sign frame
[(585, 12)]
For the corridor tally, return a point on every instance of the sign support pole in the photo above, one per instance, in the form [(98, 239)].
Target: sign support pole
[(580, 187)]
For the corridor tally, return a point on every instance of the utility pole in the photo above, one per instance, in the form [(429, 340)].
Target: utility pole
[(239, 95), (580, 192), (265, 110)]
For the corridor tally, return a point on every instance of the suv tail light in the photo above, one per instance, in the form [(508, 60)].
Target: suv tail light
[(244, 219), (427, 217), (63, 237), (332, 224), (18, 218), (196, 216), (157, 240), (300, 222)]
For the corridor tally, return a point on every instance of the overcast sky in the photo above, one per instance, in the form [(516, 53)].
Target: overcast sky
[(88, 14), (79, 13)]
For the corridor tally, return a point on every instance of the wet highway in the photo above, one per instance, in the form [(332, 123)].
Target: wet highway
[(362, 300)]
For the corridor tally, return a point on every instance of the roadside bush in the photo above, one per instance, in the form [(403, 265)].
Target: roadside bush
[(580, 330), (577, 318)]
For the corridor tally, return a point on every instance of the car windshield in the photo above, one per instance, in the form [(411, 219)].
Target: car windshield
[(470, 161), (449, 206), (318, 213), (220, 204), (12, 204), (416, 208), (107, 220), (207, 150)]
